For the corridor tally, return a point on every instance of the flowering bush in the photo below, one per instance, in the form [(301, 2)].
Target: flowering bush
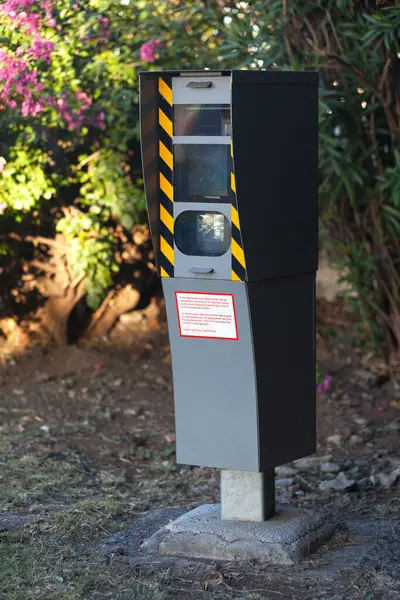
[(27, 69), (147, 50), (69, 152)]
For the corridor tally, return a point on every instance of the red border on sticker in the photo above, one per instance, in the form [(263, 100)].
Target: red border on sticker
[(206, 337)]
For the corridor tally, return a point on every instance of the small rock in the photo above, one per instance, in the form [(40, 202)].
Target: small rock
[(142, 384), (366, 377), (361, 421), (286, 482), (130, 412), (282, 472), (394, 426), (285, 495), (387, 480), (364, 481), (170, 437), (310, 462), (340, 484), (335, 439), (330, 467), (355, 439), (395, 462)]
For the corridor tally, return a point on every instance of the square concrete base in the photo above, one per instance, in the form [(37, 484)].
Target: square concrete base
[(201, 533)]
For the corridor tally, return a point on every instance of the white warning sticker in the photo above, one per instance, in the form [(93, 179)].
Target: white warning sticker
[(206, 315)]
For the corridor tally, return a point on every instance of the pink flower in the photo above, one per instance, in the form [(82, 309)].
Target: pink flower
[(3, 207), (325, 385), (147, 50), (41, 49)]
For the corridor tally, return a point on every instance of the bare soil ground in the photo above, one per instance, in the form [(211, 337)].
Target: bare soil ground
[(87, 450)]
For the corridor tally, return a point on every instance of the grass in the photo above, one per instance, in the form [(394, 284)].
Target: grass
[(75, 468), (55, 556), (57, 507), (66, 512), (44, 570)]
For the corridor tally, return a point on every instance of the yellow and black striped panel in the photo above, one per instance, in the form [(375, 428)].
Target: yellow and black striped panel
[(166, 181), (238, 260)]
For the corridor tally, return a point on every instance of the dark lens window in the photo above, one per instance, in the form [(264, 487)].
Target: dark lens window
[(201, 172), (199, 233), (202, 119)]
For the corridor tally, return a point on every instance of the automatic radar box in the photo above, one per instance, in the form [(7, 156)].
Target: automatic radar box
[(231, 179)]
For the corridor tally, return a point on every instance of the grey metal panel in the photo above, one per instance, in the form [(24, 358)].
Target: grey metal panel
[(202, 139), (183, 262), (214, 386), (219, 93)]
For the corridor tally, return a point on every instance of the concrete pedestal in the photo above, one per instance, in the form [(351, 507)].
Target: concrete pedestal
[(286, 538), (247, 496)]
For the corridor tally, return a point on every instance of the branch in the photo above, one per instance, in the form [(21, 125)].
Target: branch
[(285, 35), (335, 32), (38, 239), (313, 35), (326, 36), (384, 73), (14, 236), (75, 282), (86, 160), (42, 266)]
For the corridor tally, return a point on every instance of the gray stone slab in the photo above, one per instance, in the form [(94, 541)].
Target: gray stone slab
[(288, 537)]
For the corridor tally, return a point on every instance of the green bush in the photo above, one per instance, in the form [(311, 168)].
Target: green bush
[(356, 47)]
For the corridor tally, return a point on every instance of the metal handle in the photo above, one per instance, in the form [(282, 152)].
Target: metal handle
[(199, 84), (201, 270)]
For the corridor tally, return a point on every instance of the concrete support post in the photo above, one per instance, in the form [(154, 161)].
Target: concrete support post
[(247, 496)]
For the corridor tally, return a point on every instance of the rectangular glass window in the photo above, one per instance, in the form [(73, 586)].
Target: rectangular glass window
[(202, 119), (200, 233), (201, 172)]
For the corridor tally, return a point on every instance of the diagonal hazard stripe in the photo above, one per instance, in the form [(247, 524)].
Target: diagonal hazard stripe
[(165, 122), (166, 155), (233, 183), (166, 219), (166, 187), (235, 217), (165, 90), (234, 276), (164, 272), (238, 253), (166, 249)]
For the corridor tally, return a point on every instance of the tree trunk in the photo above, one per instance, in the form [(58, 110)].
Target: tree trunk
[(116, 304), (54, 317)]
